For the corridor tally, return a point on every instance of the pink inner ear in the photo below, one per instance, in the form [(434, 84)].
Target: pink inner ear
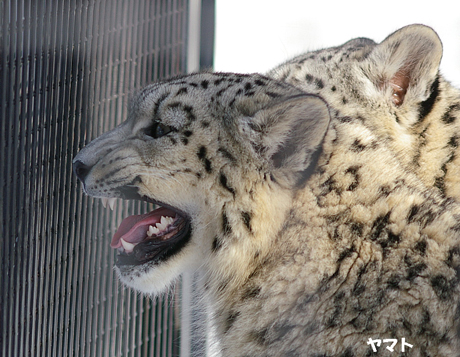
[(400, 83)]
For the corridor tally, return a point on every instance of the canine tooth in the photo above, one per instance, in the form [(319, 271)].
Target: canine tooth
[(111, 202), (152, 230), (104, 201), (127, 246)]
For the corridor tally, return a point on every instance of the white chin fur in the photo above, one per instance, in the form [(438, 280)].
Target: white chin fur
[(158, 278)]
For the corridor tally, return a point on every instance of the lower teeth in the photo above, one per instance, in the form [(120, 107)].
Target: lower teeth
[(128, 247)]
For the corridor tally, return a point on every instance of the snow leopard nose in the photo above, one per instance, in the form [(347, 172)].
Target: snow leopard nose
[(81, 170)]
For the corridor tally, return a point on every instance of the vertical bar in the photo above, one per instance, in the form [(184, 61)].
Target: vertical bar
[(207, 34), (186, 320), (193, 45)]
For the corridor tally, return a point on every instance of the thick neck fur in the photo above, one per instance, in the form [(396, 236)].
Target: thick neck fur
[(423, 135), (354, 253), (433, 153), (251, 223)]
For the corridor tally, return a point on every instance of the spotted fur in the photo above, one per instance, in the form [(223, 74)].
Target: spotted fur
[(396, 89), (313, 234)]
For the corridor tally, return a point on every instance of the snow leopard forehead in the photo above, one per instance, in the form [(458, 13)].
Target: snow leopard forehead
[(237, 93)]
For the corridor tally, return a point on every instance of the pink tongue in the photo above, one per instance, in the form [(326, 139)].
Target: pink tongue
[(134, 228)]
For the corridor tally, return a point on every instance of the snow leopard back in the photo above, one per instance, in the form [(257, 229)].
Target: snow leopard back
[(398, 92)]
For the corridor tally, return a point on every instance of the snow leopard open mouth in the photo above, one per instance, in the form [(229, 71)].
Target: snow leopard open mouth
[(151, 237)]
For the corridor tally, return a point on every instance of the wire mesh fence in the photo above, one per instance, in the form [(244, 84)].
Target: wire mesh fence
[(66, 71)]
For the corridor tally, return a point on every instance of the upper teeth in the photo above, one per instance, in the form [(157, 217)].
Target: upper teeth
[(164, 222), (160, 226), (152, 230), (110, 201)]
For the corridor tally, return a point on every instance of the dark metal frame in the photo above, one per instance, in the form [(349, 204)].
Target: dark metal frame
[(66, 71)]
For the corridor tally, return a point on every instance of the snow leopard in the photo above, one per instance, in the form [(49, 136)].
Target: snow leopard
[(312, 234)]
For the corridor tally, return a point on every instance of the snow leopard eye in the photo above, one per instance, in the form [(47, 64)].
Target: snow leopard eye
[(157, 130)]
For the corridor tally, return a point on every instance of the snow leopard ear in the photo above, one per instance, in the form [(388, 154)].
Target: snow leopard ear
[(288, 134), (405, 65)]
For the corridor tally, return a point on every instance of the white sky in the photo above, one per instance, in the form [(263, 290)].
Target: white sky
[(256, 35)]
